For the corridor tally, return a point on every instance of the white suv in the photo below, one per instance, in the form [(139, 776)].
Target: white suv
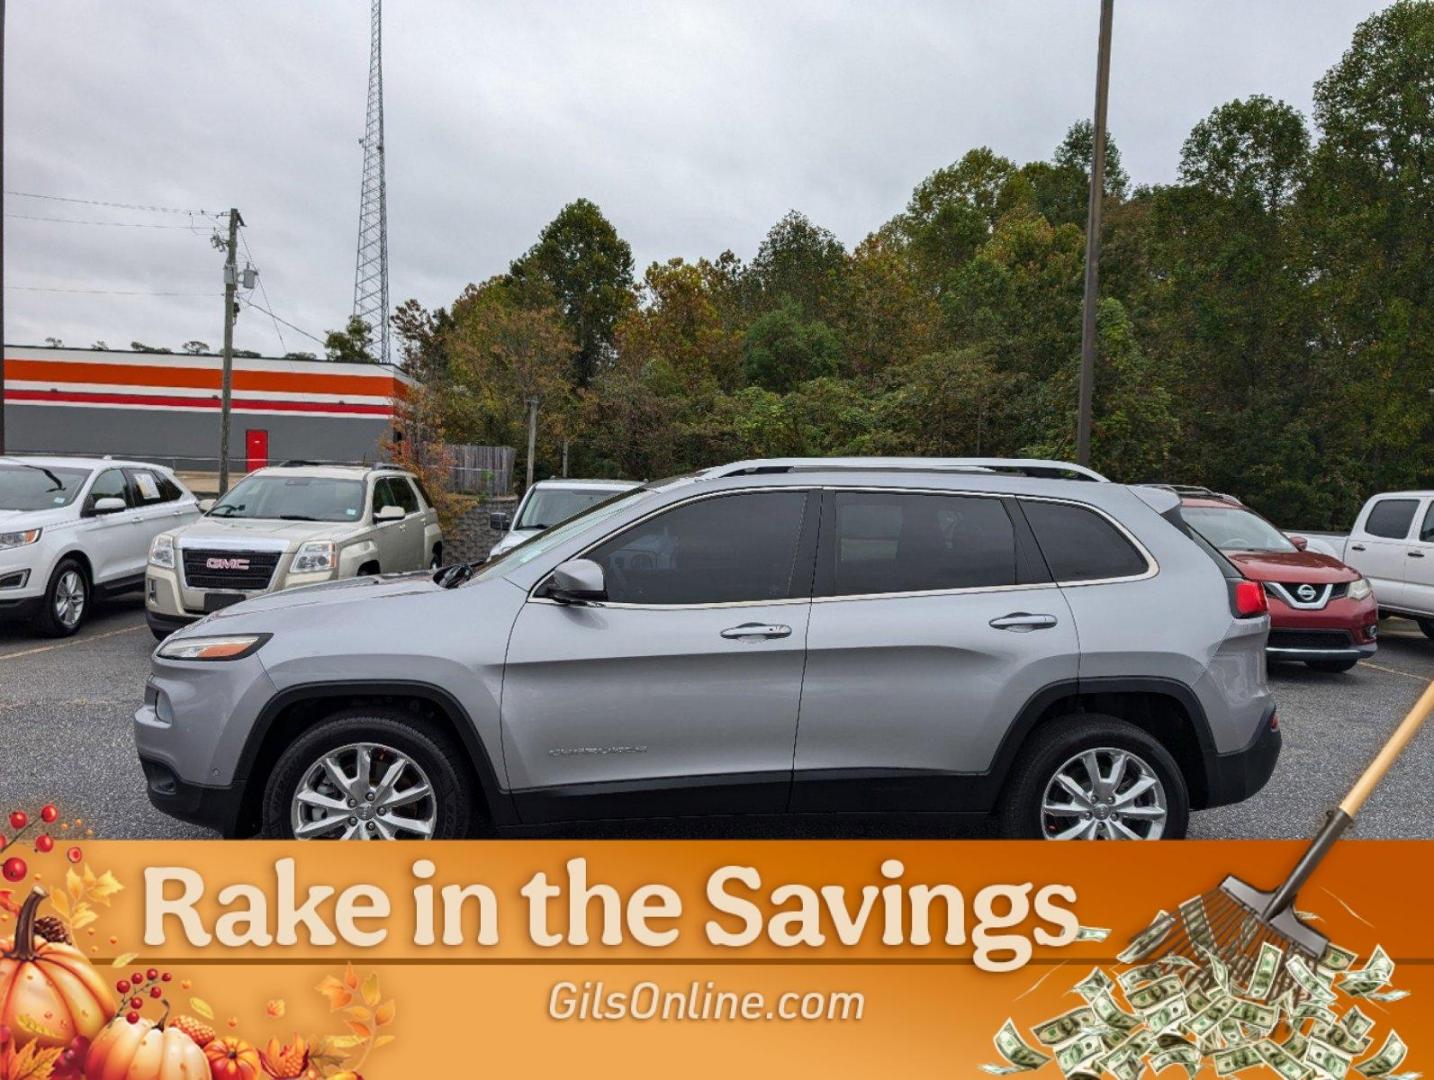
[(72, 529), (288, 525)]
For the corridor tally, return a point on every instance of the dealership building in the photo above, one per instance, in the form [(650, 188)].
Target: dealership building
[(165, 407)]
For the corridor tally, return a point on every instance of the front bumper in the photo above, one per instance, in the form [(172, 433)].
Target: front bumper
[(1343, 629), (1236, 776), (22, 586), (217, 808)]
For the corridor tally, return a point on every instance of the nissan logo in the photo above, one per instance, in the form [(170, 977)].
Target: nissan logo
[(1306, 593), (216, 563)]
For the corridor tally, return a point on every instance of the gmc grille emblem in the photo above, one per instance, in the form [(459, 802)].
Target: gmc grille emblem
[(215, 563)]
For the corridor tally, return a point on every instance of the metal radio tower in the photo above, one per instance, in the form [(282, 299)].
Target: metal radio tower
[(371, 270)]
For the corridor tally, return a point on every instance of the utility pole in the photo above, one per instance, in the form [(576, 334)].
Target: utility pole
[(532, 436), (1092, 237), (231, 309)]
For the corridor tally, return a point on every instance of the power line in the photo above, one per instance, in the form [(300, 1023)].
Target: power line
[(106, 292), (291, 326), (117, 224), (264, 293), (113, 205)]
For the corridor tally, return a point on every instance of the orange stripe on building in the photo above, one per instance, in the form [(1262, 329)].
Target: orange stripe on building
[(155, 376)]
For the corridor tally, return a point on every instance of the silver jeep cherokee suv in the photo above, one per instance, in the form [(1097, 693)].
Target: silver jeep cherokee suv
[(763, 637)]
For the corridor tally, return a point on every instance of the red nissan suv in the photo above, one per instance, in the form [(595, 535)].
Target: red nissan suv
[(1321, 611)]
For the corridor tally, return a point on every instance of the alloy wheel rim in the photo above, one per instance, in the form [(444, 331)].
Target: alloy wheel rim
[(1105, 793), (364, 791), (69, 598)]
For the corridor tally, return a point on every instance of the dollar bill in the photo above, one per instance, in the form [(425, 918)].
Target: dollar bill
[(1355, 1022), (1236, 1059), (1391, 1055), (1078, 1052), (1308, 981), (1144, 973), (1281, 1060), (1257, 1015), (1208, 1019), (1375, 974), (1340, 1037), (1267, 966), (1186, 1056), (1329, 1060), (1168, 1015), (1149, 939), (1196, 998), (1335, 958), (1112, 1015), (1197, 923), (1063, 1028), (1151, 996), (1219, 973), (1296, 1043), (1020, 1056), (1092, 933), (1094, 985), (1387, 995)]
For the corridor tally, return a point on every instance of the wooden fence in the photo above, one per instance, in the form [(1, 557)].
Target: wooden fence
[(482, 470)]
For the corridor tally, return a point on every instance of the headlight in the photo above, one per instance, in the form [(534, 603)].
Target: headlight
[(1359, 589), (19, 539), (161, 551), (314, 556), (212, 648)]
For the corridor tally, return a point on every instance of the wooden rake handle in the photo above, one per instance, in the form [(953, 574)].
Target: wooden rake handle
[(1364, 786), (1342, 818)]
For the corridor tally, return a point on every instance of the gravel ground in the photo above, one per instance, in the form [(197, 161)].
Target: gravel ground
[(65, 711)]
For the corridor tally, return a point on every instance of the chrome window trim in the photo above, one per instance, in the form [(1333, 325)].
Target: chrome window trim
[(1152, 565)]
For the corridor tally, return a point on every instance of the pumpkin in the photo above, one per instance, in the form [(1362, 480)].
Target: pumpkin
[(144, 1050), (233, 1059), (49, 993)]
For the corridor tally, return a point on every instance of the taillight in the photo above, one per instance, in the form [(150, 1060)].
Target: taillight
[(1249, 600)]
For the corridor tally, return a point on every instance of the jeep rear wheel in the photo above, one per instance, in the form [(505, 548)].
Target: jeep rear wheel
[(1091, 777), (369, 774)]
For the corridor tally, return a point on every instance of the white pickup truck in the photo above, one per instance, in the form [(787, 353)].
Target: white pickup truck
[(1393, 546)]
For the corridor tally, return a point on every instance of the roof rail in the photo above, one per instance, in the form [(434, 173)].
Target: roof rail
[(1197, 491), (1038, 467)]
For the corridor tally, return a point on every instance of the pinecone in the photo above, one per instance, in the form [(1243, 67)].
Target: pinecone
[(52, 929), (197, 1030)]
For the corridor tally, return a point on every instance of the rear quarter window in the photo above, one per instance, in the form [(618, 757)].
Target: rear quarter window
[(1391, 518), (1081, 545)]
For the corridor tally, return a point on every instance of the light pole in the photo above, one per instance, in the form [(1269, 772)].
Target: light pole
[(1092, 237)]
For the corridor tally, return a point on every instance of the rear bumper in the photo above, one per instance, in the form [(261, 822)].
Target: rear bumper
[(1234, 777)]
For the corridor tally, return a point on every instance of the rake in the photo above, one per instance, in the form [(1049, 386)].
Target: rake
[(1234, 921)]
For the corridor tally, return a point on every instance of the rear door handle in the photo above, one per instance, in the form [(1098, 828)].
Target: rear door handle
[(757, 630), (1416, 554), (1356, 547), (1023, 623)]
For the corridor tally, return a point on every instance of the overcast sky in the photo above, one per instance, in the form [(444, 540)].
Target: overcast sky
[(693, 125)]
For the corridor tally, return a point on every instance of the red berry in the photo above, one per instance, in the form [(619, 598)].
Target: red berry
[(136, 1003), (137, 978), (74, 854), (122, 986), (3, 841), (165, 977), (44, 843), (19, 819), (155, 991), (132, 1017), (152, 974), (48, 813), (15, 868)]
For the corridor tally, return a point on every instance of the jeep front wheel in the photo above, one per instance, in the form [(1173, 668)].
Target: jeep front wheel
[(1090, 777), (369, 774)]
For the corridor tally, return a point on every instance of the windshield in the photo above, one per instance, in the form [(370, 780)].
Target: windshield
[(549, 506), (526, 552), (293, 498), (1235, 529), (38, 487)]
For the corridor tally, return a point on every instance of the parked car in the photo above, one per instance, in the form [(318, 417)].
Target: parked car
[(548, 503), (289, 525), (1066, 653), (1322, 611), (74, 529), (1393, 545)]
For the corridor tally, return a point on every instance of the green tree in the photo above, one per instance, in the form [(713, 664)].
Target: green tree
[(587, 266), (353, 344), (797, 261), (781, 350), (1251, 150), (1077, 149), (954, 210)]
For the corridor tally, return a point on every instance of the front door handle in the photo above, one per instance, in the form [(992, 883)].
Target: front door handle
[(1356, 547), (757, 630), (1023, 623), (1416, 554)]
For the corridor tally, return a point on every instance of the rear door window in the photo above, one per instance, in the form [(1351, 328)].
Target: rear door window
[(403, 492), (149, 487), (1391, 518), (729, 549), (1080, 544), (1426, 531), (904, 542)]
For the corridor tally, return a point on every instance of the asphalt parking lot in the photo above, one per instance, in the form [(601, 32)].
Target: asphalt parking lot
[(65, 710)]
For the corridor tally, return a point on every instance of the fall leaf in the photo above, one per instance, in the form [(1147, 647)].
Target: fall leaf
[(359, 1013), (363, 1031), (30, 1062), (276, 1008), (383, 1040), (351, 979), (202, 1007), (384, 1014), (337, 993), (371, 994), (123, 959)]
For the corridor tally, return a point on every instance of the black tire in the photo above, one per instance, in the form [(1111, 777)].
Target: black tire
[(424, 743), (437, 558), (70, 576), (1332, 667), (1059, 740), (1427, 625)]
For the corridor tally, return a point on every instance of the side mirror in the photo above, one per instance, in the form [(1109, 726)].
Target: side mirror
[(389, 513), (499, 521), (110, 505), (206, 505), (1299, 542), (577, 581)]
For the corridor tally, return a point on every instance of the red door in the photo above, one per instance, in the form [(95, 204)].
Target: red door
[(256, 448)]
